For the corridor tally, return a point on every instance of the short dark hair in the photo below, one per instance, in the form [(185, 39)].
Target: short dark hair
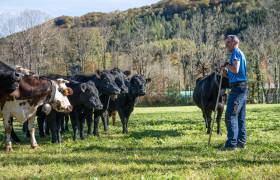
[(233, 38)]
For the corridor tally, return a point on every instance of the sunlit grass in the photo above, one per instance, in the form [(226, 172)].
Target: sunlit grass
[(162, 143)]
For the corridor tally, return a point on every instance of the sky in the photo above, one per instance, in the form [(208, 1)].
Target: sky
[(55, 8)]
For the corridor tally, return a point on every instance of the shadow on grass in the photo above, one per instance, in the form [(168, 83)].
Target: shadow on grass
[(142, 150), (154, 133), (124, 160), (173, 122)]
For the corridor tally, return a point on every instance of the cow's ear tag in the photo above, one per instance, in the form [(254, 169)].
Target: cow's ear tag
[(69, 92), (83, 87)]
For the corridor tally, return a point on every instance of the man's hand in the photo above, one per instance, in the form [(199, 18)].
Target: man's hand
[(223, 69), (225, 64)]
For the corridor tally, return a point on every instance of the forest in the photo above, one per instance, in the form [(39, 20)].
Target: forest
[(174, 42)]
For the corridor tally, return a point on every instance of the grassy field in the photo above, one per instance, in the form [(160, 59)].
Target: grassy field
[(162, 143)]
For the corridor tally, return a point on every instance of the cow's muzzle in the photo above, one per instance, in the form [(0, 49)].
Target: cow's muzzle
[(114, 97), (60, 108)]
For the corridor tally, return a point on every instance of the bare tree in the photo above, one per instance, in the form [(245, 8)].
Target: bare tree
[(106, 33)]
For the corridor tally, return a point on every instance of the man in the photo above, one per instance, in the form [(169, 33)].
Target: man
[(236, 71)]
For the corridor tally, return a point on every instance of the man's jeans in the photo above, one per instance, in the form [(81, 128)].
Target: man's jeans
[(236, 117)]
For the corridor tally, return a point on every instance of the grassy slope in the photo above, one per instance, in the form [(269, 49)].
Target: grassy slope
[(163, 142)]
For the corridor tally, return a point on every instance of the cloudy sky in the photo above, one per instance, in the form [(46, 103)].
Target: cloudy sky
[(56, 8)]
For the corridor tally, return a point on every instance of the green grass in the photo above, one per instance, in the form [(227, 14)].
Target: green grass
[(163, 143)]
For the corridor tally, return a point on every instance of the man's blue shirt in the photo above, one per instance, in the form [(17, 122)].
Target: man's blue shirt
[(238, 55)]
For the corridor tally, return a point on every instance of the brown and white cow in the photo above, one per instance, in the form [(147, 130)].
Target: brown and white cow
[(24, 101)]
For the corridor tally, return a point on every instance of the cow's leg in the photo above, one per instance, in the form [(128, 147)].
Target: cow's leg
[(59, 120), (74, 119), (126, 123), (203, 110), (25, 129), (81, 124), (62, 124), (14, 136), (123, 121), (47, 128), (88, 116), (108, 119), (41, 121), (219, 117), (114, 113), (66, 127), (123, 124), (8, 130), (52, 124), (105, 120), (205, 118), (96, 123), (208, 120), (31, 128)]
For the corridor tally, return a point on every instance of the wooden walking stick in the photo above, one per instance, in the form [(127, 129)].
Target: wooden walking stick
[(216, 107)]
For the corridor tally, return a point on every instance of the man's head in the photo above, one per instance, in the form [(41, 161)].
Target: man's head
[(231, 41)]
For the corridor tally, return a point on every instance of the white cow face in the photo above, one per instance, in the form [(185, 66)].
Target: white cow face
[(61, 102)]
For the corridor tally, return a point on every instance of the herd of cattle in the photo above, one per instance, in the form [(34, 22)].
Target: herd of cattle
[(53, 98)]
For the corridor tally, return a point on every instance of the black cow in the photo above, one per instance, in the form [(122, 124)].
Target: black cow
[(105, 84), (109, 89), (205, 97), (120, 78), (85, 96), (87, 99), (125, 103), (9, 80)]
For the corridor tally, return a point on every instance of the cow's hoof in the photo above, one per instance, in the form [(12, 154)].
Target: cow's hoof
[(8, 148), (96, 134), (34, 146)]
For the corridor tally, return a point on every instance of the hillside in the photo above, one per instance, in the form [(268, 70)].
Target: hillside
[(164, 8)]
